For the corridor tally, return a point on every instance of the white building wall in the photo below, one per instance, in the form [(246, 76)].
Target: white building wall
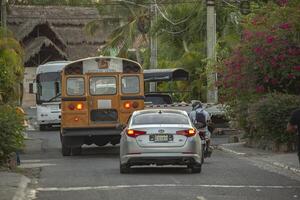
[(29, 77)]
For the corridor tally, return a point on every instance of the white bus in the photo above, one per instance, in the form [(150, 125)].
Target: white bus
[(48, 93)]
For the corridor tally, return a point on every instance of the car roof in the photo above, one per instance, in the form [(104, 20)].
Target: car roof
[(150, 111)]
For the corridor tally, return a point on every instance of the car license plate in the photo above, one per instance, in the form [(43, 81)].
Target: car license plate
[(161, 138)]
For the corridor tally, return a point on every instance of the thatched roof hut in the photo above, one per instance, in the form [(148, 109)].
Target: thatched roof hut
[(59, 28)]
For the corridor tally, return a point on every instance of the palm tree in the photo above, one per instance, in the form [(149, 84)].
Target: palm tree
[(131, 34)]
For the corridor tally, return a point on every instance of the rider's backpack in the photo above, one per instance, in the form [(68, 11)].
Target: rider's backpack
[(200, 118)]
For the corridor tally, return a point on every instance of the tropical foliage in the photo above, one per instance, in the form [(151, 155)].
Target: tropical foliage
[(265, 61), (11, 69), (11, 77), (181, 31)]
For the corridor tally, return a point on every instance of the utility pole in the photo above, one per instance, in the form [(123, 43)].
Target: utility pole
[(212, 90), (153, 46), (3, 14)]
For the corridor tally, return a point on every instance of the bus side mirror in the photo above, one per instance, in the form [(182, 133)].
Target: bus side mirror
[(56, 88)]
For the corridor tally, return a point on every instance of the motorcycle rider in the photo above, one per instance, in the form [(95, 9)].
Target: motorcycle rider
[(197, 107)]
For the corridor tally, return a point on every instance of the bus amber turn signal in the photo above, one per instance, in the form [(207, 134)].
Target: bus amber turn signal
[(79, 106), (127, 105)]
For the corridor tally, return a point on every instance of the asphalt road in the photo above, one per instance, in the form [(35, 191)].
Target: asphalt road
[(95, 175)]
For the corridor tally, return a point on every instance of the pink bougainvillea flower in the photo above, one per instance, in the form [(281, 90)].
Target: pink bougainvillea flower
[(282, 2), (291, 76), (270, 39), (260, 89), (297, 68), (274, 62), (274, 81), (247, 35), (281, 57), (258, 50), (285, 26), (266, 78)]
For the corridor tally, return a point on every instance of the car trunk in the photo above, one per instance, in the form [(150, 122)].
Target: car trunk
[(161, 135)]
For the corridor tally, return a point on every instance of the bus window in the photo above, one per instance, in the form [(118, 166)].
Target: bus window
[(75, 86), (103, 85), (130, 84)]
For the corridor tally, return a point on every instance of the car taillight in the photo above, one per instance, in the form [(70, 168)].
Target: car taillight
[(134, 133), (187, 133), (79, 106), (71, 107), (127, 105)]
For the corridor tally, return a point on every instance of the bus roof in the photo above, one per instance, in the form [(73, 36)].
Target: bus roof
[(53, 66), (102, 64), (173, 74)]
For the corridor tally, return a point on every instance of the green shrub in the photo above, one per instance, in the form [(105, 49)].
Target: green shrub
[(11, 128), (268, 117)]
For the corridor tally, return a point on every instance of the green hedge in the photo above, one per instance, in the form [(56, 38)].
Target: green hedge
[(11, 129), (268, 117)]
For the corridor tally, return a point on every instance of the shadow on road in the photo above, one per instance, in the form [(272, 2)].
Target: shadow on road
[(160, 170)]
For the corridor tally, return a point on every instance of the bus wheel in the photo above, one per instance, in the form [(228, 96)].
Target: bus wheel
[(66, 151), (76, 151), (43, 127)]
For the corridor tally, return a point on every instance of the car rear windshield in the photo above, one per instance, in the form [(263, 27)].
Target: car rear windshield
[(160, 118)]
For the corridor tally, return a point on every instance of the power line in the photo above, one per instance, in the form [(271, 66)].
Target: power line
[(169, 20), (115, 3)]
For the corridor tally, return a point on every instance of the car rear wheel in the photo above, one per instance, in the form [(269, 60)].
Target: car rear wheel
[(124, 168), (195, 168)]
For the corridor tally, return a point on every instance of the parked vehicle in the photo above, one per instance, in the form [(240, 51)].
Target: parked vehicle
[(161, 137), (48, 93)]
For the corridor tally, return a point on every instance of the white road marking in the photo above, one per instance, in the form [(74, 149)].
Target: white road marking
[(201, 198), (175, 180), (107, 187)]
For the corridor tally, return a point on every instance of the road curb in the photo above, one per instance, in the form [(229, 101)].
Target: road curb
[(277, 164), (20, 193), (222, 148), (286, 167)]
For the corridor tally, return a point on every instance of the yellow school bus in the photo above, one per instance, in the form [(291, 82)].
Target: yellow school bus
[(98, 96)]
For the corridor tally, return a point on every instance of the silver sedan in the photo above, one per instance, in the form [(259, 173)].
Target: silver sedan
[(160, 137)]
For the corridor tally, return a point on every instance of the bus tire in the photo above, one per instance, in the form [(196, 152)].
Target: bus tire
[(76, 151), (43, 127), (66, 151)]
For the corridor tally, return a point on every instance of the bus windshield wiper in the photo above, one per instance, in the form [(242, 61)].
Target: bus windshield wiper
[(58, 95)]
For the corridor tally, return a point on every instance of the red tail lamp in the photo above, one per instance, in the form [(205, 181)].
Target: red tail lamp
[(71, 107), (135, 104), (187, 133), (135, 133)]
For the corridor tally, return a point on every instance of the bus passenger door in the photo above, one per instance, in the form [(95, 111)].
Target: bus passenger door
[(103, 100)]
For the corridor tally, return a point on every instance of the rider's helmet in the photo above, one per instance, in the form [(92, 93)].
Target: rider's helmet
[(196, 104)]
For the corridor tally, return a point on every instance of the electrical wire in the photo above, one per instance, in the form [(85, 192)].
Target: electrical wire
[(169, 20)]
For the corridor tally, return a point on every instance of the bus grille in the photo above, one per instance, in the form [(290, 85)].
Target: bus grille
[(104, 115)]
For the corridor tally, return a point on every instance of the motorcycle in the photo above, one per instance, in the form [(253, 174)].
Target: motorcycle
[(205, 139)]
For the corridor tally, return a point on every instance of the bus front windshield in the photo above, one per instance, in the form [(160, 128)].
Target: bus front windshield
[(48, 87)]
